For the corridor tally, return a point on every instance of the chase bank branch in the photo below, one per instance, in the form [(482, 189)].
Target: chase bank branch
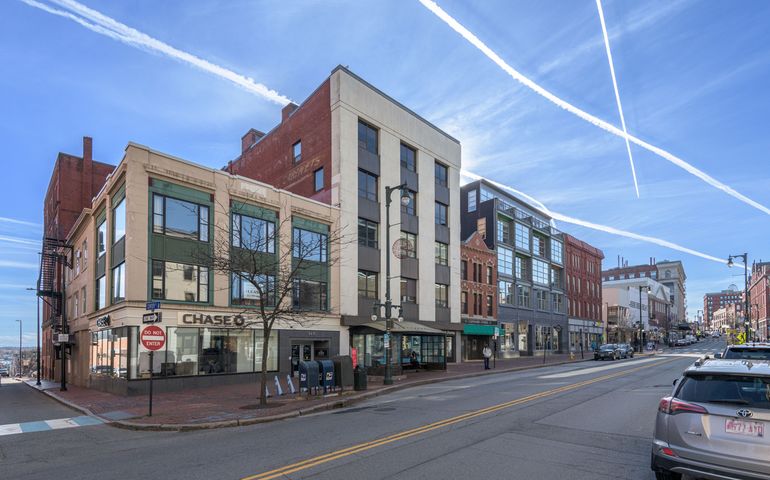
[(135, 245)]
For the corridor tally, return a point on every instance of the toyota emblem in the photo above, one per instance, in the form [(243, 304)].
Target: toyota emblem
[(743, 412)]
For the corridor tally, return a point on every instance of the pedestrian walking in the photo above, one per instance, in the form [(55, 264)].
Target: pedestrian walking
[(487, 352)]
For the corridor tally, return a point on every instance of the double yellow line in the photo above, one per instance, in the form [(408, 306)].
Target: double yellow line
[(315, 461)]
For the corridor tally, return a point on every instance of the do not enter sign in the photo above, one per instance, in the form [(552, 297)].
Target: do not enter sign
[(152, 338)]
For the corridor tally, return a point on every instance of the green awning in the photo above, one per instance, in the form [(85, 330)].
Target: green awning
[(472, 329)]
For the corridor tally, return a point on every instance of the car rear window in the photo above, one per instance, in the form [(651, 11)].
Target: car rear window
[(748, 353), (741, 390)]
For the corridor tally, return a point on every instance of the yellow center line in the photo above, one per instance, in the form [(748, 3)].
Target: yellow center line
[(321, 459)]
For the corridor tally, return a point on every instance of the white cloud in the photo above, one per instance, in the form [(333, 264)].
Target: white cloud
[(15, 264)]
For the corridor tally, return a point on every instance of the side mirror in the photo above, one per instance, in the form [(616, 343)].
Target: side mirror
[(675, 380), (717, 355)]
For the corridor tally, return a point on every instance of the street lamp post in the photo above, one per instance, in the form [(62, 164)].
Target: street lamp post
[(38, 338), (641, 320), (388, 304), (745, 257), (19, 373)]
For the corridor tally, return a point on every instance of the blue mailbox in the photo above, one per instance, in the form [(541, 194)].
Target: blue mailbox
[(326, 374), (308, 375)]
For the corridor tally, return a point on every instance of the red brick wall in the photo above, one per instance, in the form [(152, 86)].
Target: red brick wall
[(271, 161), (475, 251), (584, 302)]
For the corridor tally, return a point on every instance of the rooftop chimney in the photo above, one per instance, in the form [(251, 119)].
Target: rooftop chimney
[(288, 110), (87, 177), (250, 138)]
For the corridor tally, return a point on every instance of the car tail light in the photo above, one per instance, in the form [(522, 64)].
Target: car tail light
[(677, 406), (664, 404)]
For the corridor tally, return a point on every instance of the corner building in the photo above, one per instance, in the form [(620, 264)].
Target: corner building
[(143, 230), (344, 145)]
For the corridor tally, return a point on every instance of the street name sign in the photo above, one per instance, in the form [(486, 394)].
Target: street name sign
[(152, 306)]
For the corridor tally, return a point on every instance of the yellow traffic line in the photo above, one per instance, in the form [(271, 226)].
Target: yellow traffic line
[(319, 460)]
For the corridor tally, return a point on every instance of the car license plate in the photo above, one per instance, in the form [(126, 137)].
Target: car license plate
[(743, 427)]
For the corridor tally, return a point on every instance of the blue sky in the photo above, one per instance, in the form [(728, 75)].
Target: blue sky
[(692, 76)]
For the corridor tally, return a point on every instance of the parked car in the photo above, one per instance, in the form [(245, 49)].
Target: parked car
[(608, 350), (715, 423), (681, 342), (715, 335), (4, 372), (626, 350)]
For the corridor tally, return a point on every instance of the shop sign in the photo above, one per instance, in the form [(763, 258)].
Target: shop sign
[(386, 340), (103, 322), (218, 320)]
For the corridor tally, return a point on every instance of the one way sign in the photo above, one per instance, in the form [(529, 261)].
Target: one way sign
[(153, 317)]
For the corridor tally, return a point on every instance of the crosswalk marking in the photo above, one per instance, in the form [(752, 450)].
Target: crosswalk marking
[(46, 425)]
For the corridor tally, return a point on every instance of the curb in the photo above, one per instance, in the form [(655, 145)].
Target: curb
[(323, 407)]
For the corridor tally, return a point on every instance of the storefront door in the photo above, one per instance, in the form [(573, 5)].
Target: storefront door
[(306, 351)]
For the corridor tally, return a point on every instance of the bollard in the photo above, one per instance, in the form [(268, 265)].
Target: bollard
[(278, 389), (267, 392), (291, 384)]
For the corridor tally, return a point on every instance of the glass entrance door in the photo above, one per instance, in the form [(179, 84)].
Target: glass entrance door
[(301, 351)]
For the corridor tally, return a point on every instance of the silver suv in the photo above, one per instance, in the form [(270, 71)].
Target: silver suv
[(716, 423), (748, 351)]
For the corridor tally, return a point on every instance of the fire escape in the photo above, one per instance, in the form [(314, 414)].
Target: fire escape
[(54, 260)]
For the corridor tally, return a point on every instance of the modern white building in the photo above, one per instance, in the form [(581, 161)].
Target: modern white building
[(629, 300)]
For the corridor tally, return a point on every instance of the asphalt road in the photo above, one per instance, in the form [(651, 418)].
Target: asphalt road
[(588, 420)]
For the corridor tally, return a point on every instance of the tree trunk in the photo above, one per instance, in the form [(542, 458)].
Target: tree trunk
[(263, 375)]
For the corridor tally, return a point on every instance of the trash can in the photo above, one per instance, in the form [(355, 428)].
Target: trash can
[(308, 376), (359, 378), (343, 371), (326, 374)]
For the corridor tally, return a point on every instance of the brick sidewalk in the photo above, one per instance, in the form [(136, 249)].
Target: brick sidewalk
[(231, 405)]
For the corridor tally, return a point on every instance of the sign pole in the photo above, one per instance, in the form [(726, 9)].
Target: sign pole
[(152, 354)]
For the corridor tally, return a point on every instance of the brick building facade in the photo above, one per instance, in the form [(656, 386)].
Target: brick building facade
[(583, 269), (478, 296), (759, 296), (716, 300)]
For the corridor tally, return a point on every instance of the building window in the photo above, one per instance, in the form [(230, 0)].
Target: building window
[(489, 275), (367, 185), (408, 158), (489, 305), (367, 284), (542, 299), (367, 233), (75, 306), (84, 254), (464, 269), (77, 263), (83, 301), (505, 290), (309, 295), (556, 278), (408, 290), (522, 268), (408, 245), (556, 251), (244, 292), (119, 283), (523, 294), (119, 221), (318, 180), (556, 302), (101, 239), (101, 292), (309, 246), (442, 295), (367, 137), (253, 233), (505, 260), (441, 214), (522, 237), (538, 245), (540, 272), (296, 151), (410, 208), (441, 174), (179, 282), (472, 201), (442, 253), (464, 302), (503, 231), (179, 218)]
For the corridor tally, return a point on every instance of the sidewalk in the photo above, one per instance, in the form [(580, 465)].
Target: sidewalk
[(233, 405)]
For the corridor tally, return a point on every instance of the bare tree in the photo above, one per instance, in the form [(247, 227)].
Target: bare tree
[(278, 271)]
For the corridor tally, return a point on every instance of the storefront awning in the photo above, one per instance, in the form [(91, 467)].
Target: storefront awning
[(405, 327), (473, 329)]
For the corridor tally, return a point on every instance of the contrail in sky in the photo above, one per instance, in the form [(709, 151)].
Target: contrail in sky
[(596, 226), (516, 75), (617, 93), (110, 27)]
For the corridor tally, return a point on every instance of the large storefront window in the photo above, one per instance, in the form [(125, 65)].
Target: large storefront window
[(110, 351), (179, 281), (546, 338), (246, 293), (206, 351)]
